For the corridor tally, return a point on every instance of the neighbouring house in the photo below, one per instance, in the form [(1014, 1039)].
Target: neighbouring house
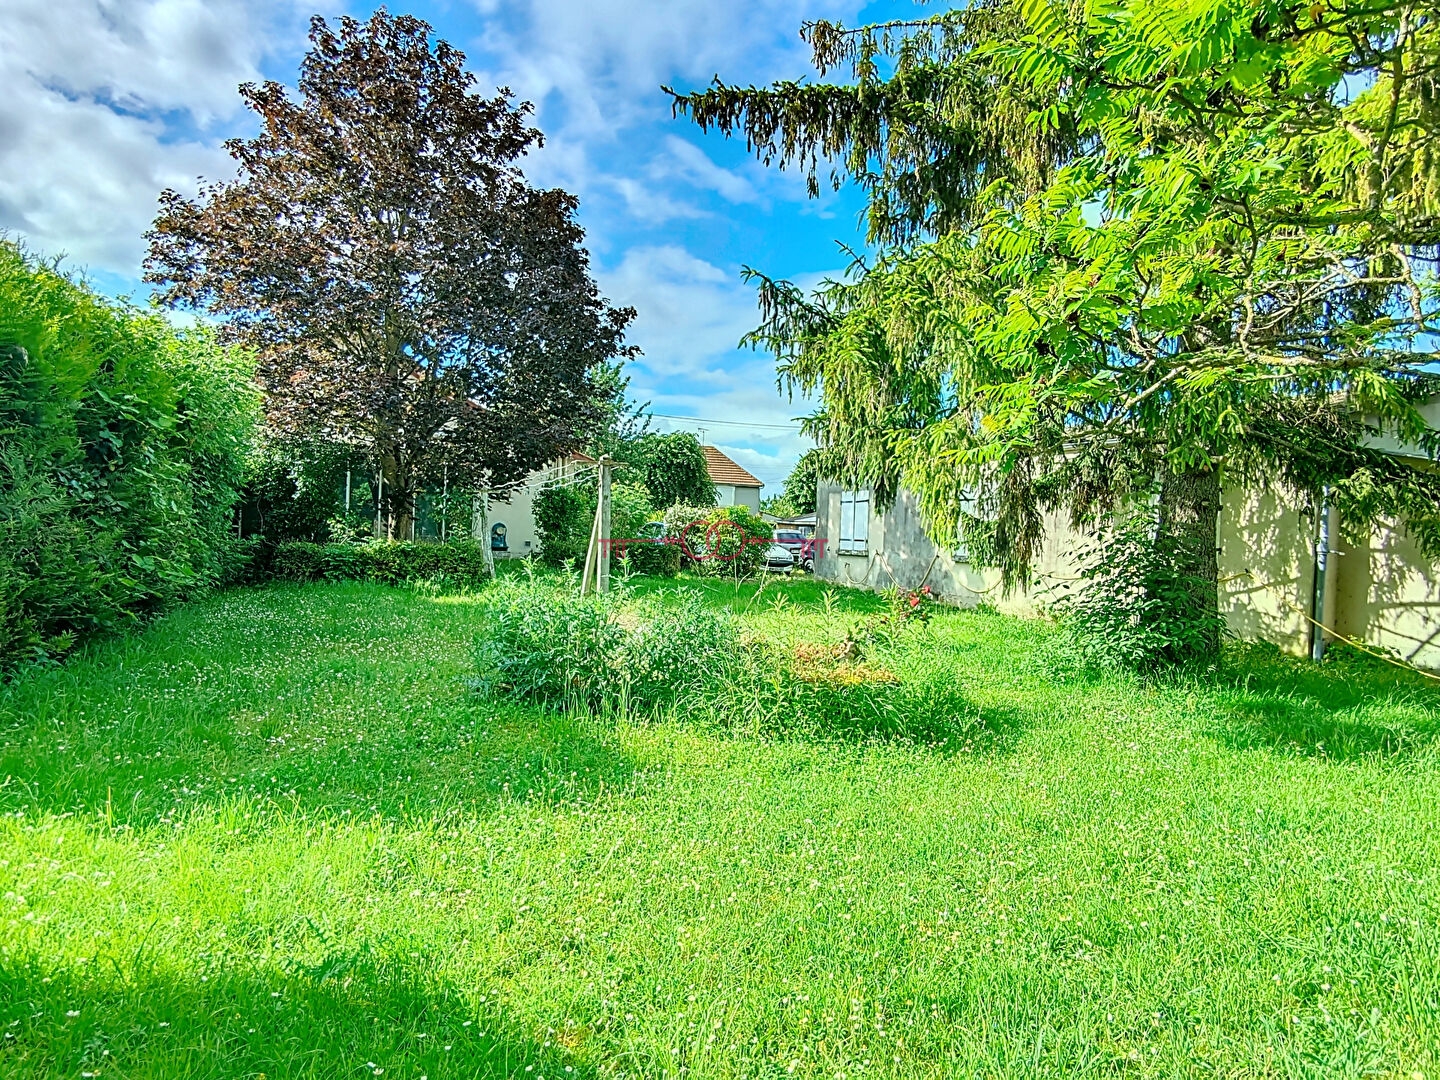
[(804, 524), (1274, 550), (734, 486), (512, 519)]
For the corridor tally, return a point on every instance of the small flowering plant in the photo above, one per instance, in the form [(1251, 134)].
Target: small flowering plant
[(912, 604)]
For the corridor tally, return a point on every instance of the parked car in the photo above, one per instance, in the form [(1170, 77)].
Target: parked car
[(800, 546), (779, 559)]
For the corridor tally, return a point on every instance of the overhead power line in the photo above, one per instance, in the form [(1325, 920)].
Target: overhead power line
[(728, 423)]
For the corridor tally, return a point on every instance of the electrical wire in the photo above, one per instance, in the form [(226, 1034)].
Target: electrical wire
[(703, 421)]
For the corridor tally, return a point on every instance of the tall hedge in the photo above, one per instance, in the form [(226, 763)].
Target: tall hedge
[(122, 450)]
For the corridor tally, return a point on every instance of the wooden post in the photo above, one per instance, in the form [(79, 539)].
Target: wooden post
[(587, 577), (602, 576), (379, 498)]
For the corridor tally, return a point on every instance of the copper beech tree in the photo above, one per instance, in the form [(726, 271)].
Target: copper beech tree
[(405, 289)]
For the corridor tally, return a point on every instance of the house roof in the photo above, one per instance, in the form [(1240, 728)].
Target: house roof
[(724, 471)]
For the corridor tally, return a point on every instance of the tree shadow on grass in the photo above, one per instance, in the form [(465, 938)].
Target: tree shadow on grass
[(472, 758), (931, 712), (1351, 707), (355, 1015)]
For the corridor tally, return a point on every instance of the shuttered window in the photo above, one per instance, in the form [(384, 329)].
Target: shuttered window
[(854, 522)]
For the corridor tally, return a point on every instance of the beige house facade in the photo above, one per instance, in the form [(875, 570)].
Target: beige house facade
[(734, 485), (1377, 589), (510, 520)]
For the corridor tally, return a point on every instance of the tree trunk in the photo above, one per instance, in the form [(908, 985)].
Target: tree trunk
[(1190, 513), (399, 498)]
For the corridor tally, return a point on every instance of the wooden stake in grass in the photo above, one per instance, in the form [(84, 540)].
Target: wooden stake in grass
[(597, 553)]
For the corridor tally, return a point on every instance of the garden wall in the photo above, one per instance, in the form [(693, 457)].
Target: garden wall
[(1382, 591)]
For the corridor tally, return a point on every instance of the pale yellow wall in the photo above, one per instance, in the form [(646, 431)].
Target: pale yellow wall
[(1266, 567), (1382, 591), (1388, 595), (519, 517)]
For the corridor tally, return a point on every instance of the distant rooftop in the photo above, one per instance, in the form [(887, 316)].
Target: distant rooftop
[(725, 471)]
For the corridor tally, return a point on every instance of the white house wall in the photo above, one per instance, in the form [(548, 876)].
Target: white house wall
[(1383, 592)]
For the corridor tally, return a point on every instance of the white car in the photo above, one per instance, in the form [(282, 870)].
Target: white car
[(779, 559)]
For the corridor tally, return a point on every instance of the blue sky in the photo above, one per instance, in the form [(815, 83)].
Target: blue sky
[(109, 101)]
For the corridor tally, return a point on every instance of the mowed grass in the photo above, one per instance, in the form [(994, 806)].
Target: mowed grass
[(276, 835)]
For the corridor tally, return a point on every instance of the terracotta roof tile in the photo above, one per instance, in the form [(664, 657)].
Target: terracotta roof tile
[(724, 471)]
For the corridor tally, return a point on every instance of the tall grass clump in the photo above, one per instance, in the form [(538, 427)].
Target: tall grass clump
[(671, 653), (548, 644), (122, 451)]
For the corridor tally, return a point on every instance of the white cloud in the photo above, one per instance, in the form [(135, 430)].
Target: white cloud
[(692, 315), (594, 69), (107, 102), (687, 161)]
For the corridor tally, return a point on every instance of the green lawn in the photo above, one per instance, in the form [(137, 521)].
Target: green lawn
[(277, 835)]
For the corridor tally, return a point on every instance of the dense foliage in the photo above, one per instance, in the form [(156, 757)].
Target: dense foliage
[(647, 653), (722, 541), (1128, 250), (406, 290), (295, 490), (122, 449), (671, 467), (1133, 606), (549, 644), (802, 483), (565, 516), (456, 564)]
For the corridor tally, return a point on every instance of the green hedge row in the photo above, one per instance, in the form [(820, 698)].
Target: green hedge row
[(390, 562), (123, 445)]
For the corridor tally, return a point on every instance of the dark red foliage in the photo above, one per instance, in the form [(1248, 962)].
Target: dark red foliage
[(406, 289)]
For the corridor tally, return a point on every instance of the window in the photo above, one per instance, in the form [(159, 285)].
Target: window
[(854, 522)]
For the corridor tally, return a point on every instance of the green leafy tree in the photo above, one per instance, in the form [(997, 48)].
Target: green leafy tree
[(802, 482), (672, 468), (1125, 250)]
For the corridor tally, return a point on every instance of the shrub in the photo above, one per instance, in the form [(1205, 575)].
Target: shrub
[(669, 651), (564, 516), (722, 541), (461, 563), (123, 444), (550, 645), (657, 559), (296, 491), (1135, 608)]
